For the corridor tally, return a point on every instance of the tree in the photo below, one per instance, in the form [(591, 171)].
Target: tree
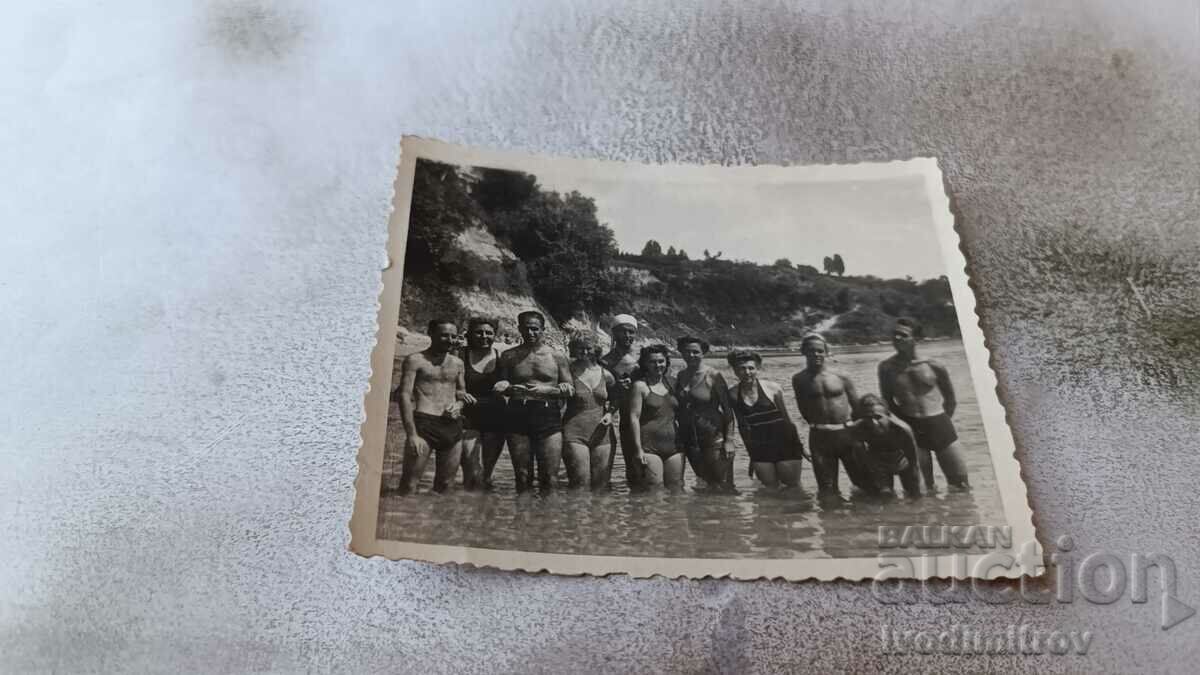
[(500, 190), (839, 265), (683, 254), (652, 249), (828, 264), (671, 252), (566, 251), (441, 209), (783, 263)]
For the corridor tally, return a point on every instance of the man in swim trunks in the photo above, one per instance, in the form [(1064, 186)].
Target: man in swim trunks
[(536, 379), (826, 399), (888, 450), (622, 361), (431, 396), (767, 430), (920, 393)]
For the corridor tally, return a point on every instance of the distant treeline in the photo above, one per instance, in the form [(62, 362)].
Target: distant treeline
[(569, 262)]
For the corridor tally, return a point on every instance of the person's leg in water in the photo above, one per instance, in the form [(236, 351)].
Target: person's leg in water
[(549, 451), (601, 461), (765, 472), (413, 468), (578, 458), (954, 466), (926, 462), (673, 468), (911, 480), (824, 462), (788, 472), (720, 466), (492, 443), (651, 473), (446, 464), (522, 460), (472, 464)]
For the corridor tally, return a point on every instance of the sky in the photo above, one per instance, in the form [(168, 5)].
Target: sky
[(880, 227)]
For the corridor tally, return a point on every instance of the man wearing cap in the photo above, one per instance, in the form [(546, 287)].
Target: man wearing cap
[(536, 379), (826, 400), (621, 361)]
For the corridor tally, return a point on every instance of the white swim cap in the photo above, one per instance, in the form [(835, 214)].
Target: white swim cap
[(625, 319)]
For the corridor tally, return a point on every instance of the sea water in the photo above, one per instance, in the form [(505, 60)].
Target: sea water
[(755, 522)]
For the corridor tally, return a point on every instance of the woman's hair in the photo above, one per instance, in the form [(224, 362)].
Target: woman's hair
[(689, 340), (477, 321), (433, 325), (586, 340), (737, 356), (867, 402), (531, 314), (645, 354)]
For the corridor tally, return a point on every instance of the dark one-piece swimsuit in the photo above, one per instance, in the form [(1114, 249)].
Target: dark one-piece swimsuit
[(581, 423), (768, 435), (700, 419), (487, 413), (657, 421)]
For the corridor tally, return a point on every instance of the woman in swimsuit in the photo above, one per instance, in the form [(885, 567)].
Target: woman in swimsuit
[(651, 415), (484, 435), (704, 415), (588, 445), (768, 431)]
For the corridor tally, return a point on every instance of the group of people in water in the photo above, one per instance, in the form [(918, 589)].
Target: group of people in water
[(463, 405)]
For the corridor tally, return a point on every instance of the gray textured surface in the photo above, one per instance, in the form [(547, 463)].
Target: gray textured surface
[(194, 208)]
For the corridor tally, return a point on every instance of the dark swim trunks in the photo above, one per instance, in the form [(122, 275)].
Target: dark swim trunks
[(485, 415), (827, 447), (932, 433), (439, 431), (535, 419)]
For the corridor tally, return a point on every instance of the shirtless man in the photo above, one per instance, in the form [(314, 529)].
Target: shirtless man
[(622, 361), (826, 399), (889, 449), (920, 393), (431, 397), (536, 379)]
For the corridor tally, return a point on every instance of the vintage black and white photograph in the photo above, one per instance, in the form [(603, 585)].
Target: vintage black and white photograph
[(680, 370)]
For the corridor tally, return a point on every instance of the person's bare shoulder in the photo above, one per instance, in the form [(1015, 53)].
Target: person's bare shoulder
[(415, 360), (771, 388), (801, 378)]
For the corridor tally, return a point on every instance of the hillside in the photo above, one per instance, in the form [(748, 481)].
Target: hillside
[(488, 242)]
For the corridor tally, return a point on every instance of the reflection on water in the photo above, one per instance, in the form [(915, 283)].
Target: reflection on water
[(755, 523)]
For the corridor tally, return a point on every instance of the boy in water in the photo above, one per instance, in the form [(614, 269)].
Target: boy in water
[(431, 396), (920, 393), (536, 379), (826, 399), (888, 449)]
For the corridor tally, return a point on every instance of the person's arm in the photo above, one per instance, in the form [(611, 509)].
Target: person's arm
[(633, 412), (460, 386), (408, 382), (949, 400), (566, 385), (797, 385), (503, 365), (851, 394), (885, 385), (782, 405), (909, 443), (609, 408), (721, 389)]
